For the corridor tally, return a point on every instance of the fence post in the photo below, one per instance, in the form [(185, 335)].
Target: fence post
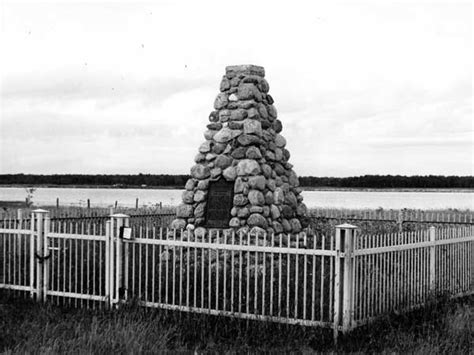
[(18, 226), (432, 259), (117, 221), (32, 256), (400, 221), (46, 255), (40, 258), (108, 265), (344, 278)]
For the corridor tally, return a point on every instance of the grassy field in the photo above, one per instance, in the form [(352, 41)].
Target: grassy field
[(25, 327)]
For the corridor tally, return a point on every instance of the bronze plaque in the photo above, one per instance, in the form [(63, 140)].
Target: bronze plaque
[(219, 203)]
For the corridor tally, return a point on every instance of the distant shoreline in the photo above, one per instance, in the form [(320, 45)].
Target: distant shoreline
[(319, 188)]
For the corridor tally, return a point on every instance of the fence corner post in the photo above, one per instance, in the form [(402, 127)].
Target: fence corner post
[(120, 276), (344, 278), (432, 259), (39, 258)]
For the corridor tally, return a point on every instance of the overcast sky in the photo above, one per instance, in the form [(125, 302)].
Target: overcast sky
[(368, 88)]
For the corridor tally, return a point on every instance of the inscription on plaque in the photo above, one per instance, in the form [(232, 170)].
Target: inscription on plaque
[(219, 203)]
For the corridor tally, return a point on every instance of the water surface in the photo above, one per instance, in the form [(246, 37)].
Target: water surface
[(103, 197)]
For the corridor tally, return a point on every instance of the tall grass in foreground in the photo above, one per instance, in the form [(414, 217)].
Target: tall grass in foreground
[(445, 327)]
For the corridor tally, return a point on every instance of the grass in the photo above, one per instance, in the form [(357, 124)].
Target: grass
[(26, 327)]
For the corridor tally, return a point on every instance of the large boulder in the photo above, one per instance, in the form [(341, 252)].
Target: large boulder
[(277, 126), (256, 197), (253, 153), (286, 225), (188, 196), (200, 171), (243, 212), (235, 125), (205, 147), (257, 220), (256, 209), (200, 196), (295, 225), (249, 139), (287, 211), (215, 173), (239, 185), (301, 210), (184, 211), (239, 153), (272, 112), (248, 91), (268, 197), (223, 161), (262, 110), (221, 101), (278, 196), (224, 115), (240, 200), (252, 127), (229, 173), (291, 200), (199, 210), (238, 114), (277, 227), (234, 222), (209, 134), (225, 84), (280, 141), (190, 184), (275, 212), (203, 184), (232, 71), (178, 223), (257, 182), (248, 167), (263, 86), (267, 170), (253, 113), (226, 134)]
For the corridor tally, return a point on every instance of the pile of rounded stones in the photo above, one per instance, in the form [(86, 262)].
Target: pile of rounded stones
[(243, 144)]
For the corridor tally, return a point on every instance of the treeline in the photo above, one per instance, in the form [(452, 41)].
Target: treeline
[(391, 181), (148, 180), (95, 180)]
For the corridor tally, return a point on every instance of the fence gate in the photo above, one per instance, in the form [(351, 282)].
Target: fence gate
[(74, 262), (17, 260)]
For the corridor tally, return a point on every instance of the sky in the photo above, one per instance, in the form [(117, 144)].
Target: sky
[(124, 88)]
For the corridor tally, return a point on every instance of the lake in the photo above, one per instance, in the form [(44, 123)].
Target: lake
[(101, 197)]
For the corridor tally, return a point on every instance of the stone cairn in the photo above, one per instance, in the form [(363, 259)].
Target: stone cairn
[(243, 144)]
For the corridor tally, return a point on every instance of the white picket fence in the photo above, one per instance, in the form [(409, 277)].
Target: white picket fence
[(398, 216), (338, 281)]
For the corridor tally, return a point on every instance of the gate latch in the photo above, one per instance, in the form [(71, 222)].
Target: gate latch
[(41, 259)]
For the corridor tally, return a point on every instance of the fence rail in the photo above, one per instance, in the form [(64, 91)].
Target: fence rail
[(397, 216), (339, 281)]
